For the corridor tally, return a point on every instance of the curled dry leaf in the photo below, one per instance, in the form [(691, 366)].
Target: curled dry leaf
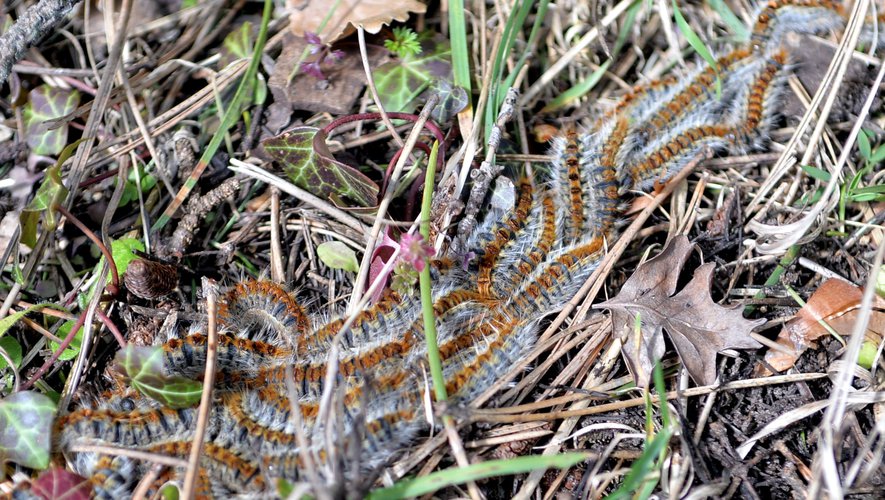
[(307, 16), (836, 302), (698, 327)]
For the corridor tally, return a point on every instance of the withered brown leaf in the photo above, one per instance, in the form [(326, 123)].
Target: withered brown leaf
[(698, 327), (308, 16), (836, 302)]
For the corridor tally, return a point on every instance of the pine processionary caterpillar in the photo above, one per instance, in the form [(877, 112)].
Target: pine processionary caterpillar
[(531, 260)]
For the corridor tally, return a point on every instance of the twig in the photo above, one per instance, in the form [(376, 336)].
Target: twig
[(37, 21), (483, 177), (327, 208), (277, 272), (370, 81), (193, 461), (115, 280)]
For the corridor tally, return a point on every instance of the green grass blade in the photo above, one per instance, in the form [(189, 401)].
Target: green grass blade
[(458, 42), (735, 25), (409, 488), (497, 91), (571, 95), (698, 45)]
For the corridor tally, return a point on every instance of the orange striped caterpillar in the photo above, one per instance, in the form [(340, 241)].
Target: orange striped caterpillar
[(530, 261)]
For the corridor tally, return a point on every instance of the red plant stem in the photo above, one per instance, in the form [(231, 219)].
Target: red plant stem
[(429, 125), (112, 327), (99, 178), (432, 127), (61, 348), (390, 166), (115, 278)]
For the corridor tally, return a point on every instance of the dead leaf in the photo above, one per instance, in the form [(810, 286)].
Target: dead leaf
[(698, 327), (344, 83), (307, 16), (836, 302)]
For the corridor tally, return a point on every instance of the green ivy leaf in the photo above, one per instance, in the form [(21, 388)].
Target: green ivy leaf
[(452, 100), (130, 190), (143, 367), (306, 159), (74, 347), (25, 427), (46, 104), (401, 82), (13, 349), (50, 192), (337, 255), (236, 45)]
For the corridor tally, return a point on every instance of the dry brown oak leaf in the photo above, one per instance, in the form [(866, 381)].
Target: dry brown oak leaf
[(698, 327), (307, 16)]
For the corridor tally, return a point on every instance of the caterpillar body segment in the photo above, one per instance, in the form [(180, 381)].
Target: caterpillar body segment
[(779, 17)]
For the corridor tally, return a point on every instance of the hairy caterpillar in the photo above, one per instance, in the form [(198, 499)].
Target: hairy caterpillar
[(529, 262)]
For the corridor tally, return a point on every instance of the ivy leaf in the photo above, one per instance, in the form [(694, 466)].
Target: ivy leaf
[(25, 426), (143, 367), (46, 104), (59, 484), (306, 159), (337, 255), (74, 347), (236, 45), (401, 82), (13, 349), (452, 100), (50, 192)]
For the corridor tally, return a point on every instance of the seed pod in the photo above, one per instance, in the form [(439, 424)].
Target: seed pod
[(150, 279)]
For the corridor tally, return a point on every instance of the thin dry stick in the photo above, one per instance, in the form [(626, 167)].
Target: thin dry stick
[(146, 482), (370, 80), (119, 451), (327, 208), (277, 271), (193, 462)]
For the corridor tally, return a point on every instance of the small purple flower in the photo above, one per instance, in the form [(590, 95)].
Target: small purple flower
[(314, 41), (312, 68), (414, 250)]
